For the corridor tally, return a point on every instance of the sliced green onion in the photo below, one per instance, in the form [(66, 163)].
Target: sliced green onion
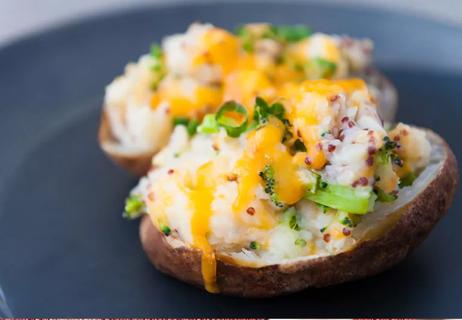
[(165, 229), (292, 33), (158, 67), (277, 110), (180, 121), (407, 180), (263, 110), (156, 51), (254, 245), (134, 207), (246, 38), (209, 125), (300, 242), (192, 127), (345, 198), (233, 117), (322, 68)]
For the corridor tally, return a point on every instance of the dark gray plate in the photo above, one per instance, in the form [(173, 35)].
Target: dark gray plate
[(66, 251)]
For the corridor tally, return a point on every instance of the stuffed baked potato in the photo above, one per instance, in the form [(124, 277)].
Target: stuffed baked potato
[(309, 190)]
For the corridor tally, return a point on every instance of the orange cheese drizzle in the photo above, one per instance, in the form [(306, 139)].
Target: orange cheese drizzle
[(201, 197)]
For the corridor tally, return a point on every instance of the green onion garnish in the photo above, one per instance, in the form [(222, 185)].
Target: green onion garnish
[(322, 68), (180, 121), (191, 125), (246, 38), (165, 229), (263, 110), (254, 245), (158, 67), (291, 33), (156, 51), (233, 117), (209, 125), (134, 207)]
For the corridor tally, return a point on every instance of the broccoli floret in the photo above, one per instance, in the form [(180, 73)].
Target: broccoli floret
[(267, 174)]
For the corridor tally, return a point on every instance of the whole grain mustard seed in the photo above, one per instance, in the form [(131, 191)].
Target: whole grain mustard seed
[(251, 210)]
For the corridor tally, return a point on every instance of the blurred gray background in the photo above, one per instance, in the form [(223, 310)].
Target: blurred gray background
[(22, 17)]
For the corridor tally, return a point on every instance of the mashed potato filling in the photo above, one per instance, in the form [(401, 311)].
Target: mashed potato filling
[(294, 179), (194, 73)]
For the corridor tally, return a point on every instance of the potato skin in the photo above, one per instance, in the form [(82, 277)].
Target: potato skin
[(136, 164), (368, 258), (139, 164)]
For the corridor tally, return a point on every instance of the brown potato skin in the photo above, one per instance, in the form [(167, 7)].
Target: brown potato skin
[(137, 164), (368, 258), (140, 164)]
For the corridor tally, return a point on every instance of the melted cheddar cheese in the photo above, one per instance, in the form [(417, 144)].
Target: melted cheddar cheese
[(201, 196)]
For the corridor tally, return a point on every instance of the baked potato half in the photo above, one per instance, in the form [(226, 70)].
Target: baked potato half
[(311, 191), (194, 73), (386, 237), (137, 162)]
